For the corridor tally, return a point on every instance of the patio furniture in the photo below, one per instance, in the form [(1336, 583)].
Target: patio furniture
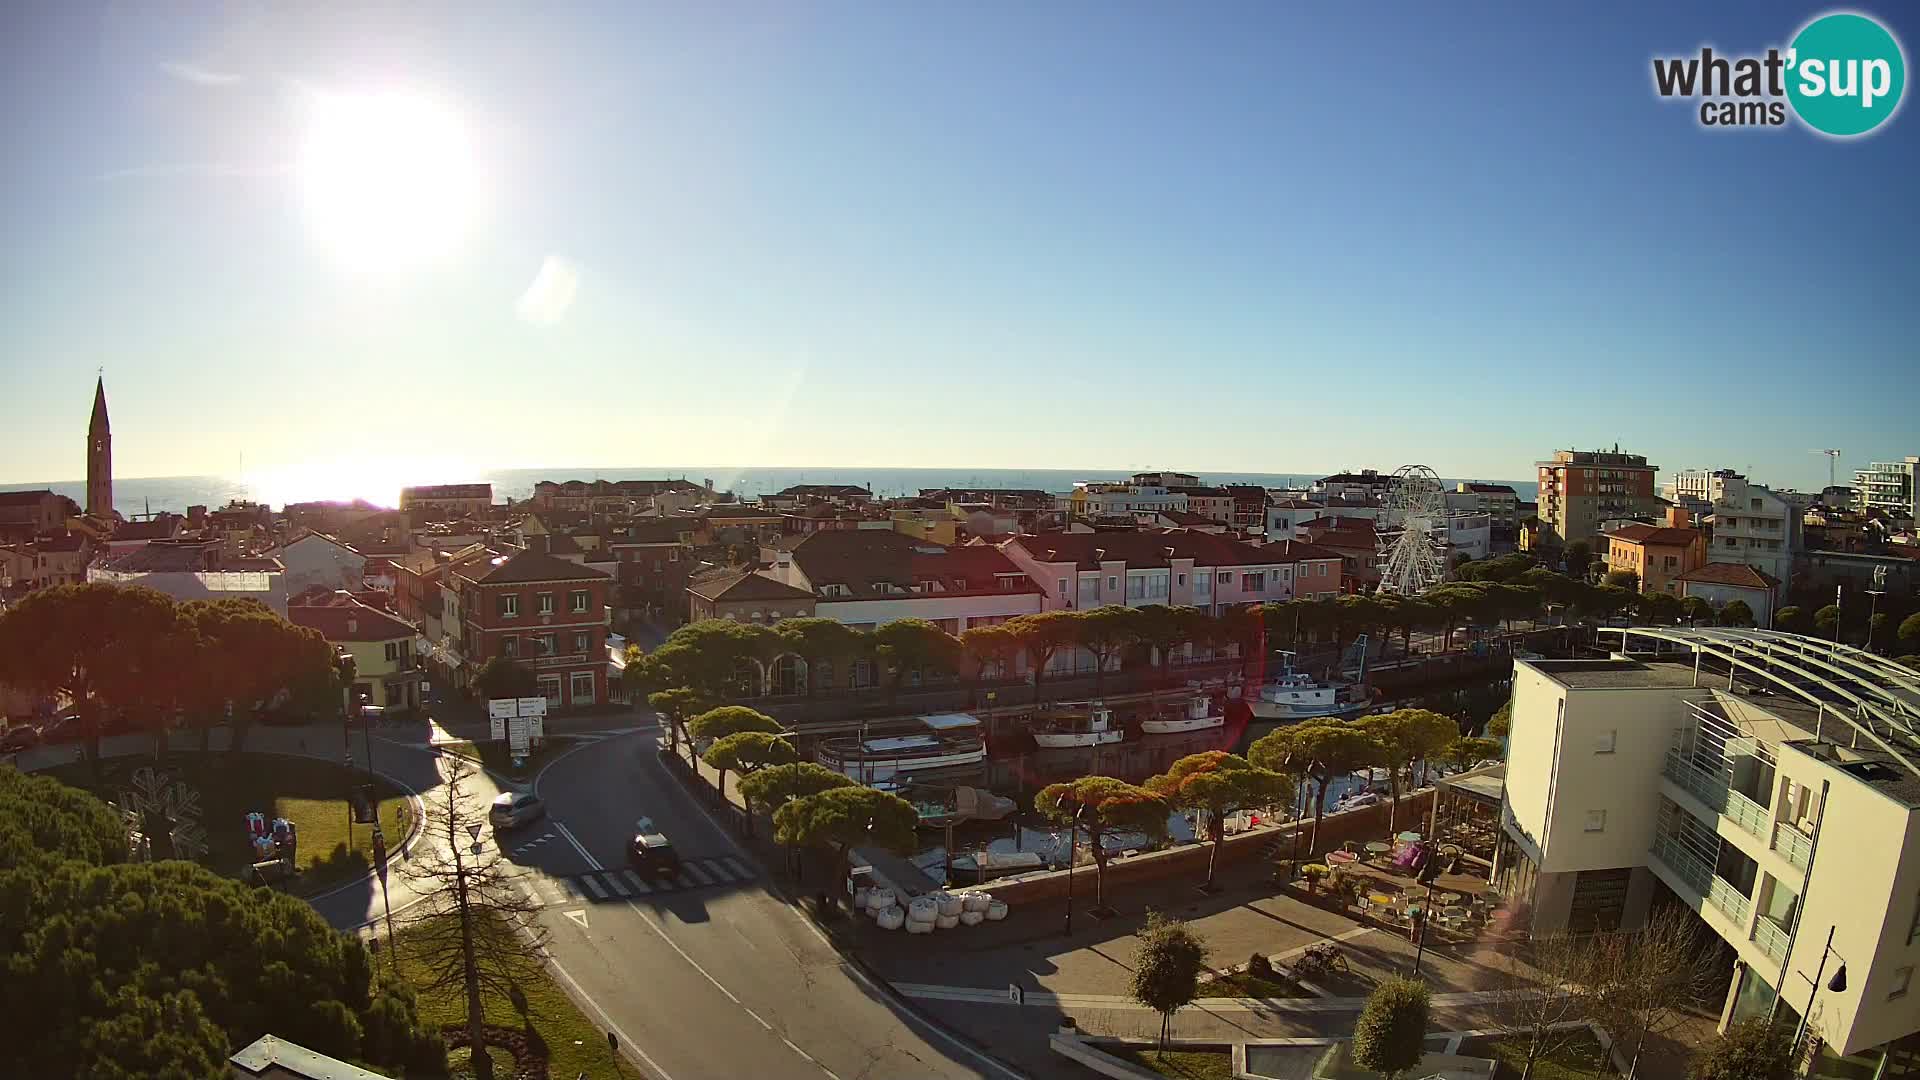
[(1377, 848), (1448, 898), (1341, 858), (1410, 837)]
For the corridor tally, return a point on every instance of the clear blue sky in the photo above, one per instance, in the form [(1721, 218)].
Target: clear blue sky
[(1240, 236)]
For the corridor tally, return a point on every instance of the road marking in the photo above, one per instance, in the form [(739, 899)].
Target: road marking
[(699, 876), (734, 865), (614, 883), (637, 882), (533, 894), (577, 916), (599, 892), (683, 881)]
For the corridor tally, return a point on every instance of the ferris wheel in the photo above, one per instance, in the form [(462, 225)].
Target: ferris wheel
[(1417, 552)]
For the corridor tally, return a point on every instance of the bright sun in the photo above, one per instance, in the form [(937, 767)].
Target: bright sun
[(388, 179)]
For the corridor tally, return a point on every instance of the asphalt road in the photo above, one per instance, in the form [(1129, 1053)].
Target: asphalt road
[(708, 975)]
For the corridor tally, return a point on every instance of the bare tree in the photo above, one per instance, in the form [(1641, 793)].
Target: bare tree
[(1648, 980), (1544, 993), (474, 930)]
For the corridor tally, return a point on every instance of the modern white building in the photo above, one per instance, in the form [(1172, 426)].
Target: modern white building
[(1767, 781), (1889, 486), (1753, 526), (1101, 500), (317, 559)]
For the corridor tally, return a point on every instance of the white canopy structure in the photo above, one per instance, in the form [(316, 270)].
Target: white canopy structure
[(1876, 697)]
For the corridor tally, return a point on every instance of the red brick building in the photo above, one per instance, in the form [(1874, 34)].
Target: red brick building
[(654, 559), (543, 612)]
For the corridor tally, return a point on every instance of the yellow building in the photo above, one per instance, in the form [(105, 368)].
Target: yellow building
[(386, 665)]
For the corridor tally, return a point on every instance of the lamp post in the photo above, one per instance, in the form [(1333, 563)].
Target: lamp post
[(1073, 835), (1837, 984)]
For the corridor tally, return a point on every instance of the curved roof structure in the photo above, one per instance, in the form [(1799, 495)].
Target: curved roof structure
[(1879, 698)]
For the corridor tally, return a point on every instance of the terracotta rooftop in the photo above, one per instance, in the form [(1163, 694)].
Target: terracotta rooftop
[(1140, 549), (525, 567), (1738, 574), (1658, 536), (746, 586)]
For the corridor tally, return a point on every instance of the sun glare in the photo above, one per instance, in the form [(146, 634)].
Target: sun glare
[(388, 179)]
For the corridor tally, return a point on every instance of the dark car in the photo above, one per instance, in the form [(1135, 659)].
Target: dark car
[(652, 853), (16, 739), (66, 729)]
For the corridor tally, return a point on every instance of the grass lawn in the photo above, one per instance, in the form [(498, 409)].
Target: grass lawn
[(306, 791), (1186, 1064), (1581, 1060), (1243, 984), (551, 1015)]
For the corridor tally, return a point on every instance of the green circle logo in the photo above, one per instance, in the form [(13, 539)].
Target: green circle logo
[(1845, 74)]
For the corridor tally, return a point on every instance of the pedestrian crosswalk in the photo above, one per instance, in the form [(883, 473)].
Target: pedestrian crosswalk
[(603, 886)]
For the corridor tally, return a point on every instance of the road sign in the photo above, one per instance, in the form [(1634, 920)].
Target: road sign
[(519, 735), (1015, 994), (474, 831)]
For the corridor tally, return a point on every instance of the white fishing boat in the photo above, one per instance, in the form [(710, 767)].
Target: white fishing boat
[(891, 751), (1296, 695), (1198, 715), (1077, 724)]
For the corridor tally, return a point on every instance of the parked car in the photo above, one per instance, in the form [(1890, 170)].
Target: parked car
[(512, 809), (21, 737), (652, 853), (69, 728)]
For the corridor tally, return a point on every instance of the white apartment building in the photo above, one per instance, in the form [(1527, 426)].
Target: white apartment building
[(1770, 783), (1753, 526), (1889, 486)]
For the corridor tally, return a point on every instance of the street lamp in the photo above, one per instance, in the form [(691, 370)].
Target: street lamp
[(1837, 984), (1073, 835)]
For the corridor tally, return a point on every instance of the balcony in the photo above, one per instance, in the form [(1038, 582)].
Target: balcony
[(1695, 871), (1792, 845), (1771, 937), (1713, 790)]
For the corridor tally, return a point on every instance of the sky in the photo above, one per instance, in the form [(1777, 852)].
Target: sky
[(1239, 236)]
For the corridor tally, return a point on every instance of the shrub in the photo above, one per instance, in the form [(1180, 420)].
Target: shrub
[(1259, 966)]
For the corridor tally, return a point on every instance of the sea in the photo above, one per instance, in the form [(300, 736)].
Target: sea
[(137, 496)]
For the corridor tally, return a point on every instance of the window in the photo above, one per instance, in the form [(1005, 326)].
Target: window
[(581, 641), (400, 651), (1113, 583), (582, 688), (543, 603), (1902, 977), (543, 645), (550, 688), (1323, 570), (1253, 582), (510, 605), (1180, 579), (509, 646), (673, 554), (1596, 821), (578, 601), (1605, 741), (1060, 586), (1226, 576)]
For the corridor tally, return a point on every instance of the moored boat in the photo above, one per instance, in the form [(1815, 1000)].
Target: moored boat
[(1087, 723), (1198, 714), (1296, 695), (899, 748)]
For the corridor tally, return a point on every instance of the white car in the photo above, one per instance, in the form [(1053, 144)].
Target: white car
[(512, 809)]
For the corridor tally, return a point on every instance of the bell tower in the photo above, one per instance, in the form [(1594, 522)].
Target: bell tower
[(100, 457)]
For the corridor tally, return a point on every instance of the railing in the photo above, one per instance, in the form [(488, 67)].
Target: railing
[(1793, 845), (1771, 937), (1696, 873), (1713, 791)]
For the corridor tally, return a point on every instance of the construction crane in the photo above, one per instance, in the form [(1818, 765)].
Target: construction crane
[(1833, 464)]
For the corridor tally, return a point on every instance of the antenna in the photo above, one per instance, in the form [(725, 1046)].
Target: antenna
[(1833, 462)]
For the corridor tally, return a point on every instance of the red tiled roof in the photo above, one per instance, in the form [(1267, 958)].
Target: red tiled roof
[(61, 542), (746, 586), (526, 567), (1658, 536), (339, 617), (1142, 549), (1294, 551), (1737, 574)]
